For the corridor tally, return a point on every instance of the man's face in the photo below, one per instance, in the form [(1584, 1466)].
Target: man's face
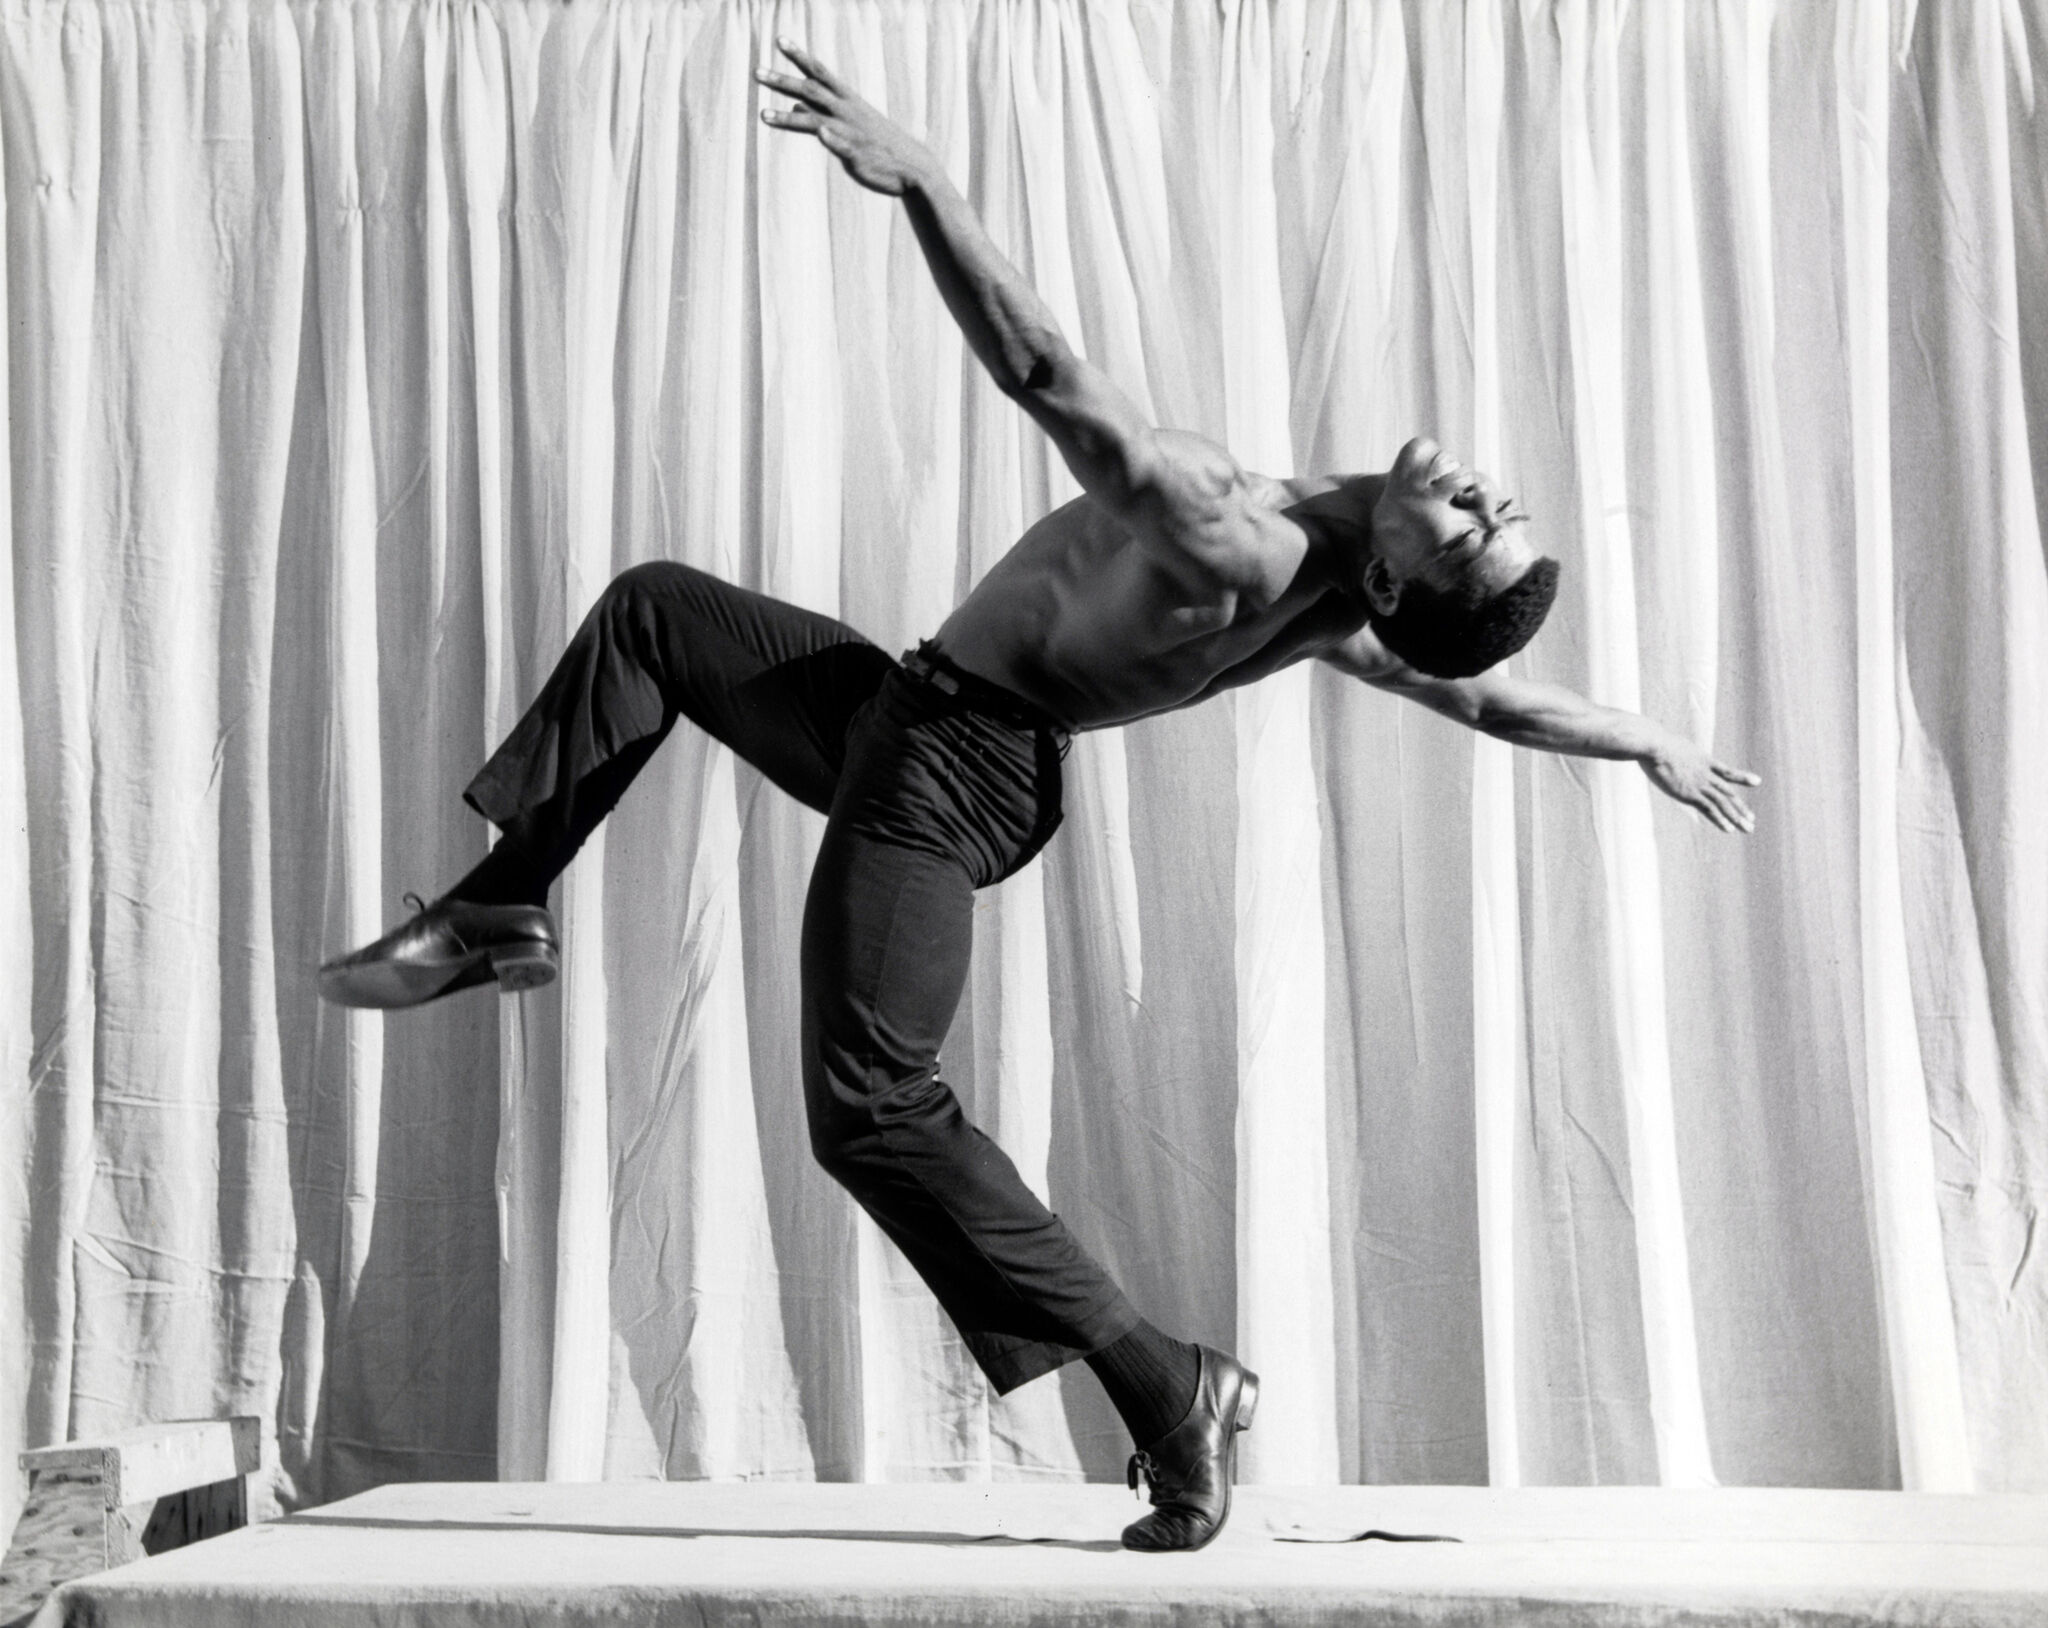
[(1441, 524)]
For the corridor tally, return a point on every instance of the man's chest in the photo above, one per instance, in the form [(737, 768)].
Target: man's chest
[(1291, 632)]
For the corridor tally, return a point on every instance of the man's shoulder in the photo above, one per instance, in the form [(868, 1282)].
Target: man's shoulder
[(1208, 509), (1210, 469), (1193, 482), (1195, 455)]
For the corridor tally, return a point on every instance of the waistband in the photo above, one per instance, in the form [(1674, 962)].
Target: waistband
[(930, 665)]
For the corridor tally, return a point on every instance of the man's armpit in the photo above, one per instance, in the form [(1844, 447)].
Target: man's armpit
[(1363, 657)]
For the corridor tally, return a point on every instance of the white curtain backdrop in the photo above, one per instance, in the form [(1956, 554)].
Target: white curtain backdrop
[(1515, 1126)]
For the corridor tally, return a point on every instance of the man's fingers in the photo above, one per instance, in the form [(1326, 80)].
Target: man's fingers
[(1736, 811), (810, 64), (803, 90), (816, 124), (1742, 777)]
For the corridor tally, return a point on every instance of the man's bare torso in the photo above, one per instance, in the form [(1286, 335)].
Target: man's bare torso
[(1100, 623)]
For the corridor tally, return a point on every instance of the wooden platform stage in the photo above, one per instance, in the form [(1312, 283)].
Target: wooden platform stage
[(953, 1553)]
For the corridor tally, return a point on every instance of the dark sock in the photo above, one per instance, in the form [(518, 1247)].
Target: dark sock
[(508, 875), (1151, 1379)]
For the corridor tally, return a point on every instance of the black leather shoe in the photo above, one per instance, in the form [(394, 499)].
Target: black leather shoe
[(1190, 1468), (445, 946)]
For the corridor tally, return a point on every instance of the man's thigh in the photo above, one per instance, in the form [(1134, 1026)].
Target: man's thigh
[(777, 683), (888, 932)]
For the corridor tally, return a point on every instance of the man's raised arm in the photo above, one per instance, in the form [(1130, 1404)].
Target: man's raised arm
[(1105, 440), (1554, 719)]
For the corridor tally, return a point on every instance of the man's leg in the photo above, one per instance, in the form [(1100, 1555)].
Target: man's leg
[(934, 801), (776, 683), (887, 931)]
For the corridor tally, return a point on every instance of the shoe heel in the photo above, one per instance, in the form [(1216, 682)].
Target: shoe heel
[(1247, 1400), (522, 966)]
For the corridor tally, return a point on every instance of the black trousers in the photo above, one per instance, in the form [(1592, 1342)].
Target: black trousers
[(928, 796)]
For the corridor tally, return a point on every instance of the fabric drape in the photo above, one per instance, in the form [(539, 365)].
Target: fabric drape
[(1512, 1124)]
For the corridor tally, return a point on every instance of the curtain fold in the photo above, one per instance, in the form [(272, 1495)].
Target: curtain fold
[(1514, 1126)]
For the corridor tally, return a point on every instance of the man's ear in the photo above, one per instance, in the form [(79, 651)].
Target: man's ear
[(1382, 591)]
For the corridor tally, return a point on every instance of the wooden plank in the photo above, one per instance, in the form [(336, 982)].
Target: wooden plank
[(136, 1466)]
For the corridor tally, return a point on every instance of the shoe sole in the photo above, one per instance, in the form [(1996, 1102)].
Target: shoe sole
[(523, 966), (390, 985)]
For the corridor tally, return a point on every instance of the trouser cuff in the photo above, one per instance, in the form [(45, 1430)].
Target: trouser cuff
[(1009, 1362)]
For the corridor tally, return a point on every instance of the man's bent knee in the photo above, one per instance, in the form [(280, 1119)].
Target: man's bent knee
[(648, 578), (847, 1135), (844, 1153)]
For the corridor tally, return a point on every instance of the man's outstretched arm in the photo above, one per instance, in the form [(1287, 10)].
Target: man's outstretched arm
[(1554, 719), (1106, 442)]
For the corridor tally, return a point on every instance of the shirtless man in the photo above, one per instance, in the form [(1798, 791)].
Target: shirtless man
[(1178, 574)]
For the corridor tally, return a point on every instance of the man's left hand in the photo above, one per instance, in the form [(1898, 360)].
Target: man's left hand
[(880, 155), (1694, 777)]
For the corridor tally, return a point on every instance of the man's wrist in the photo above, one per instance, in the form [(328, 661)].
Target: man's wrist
[(1658, 743), (925, 176)]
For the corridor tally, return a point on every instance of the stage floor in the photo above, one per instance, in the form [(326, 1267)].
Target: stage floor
[(697, 1553)]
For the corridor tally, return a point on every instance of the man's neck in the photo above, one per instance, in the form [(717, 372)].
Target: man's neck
[(1336, 513), (1361, 491)]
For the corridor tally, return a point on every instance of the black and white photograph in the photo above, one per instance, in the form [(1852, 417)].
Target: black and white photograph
[(1005, 813)]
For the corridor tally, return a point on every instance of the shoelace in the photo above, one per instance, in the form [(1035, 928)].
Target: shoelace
[(420, 907), (1142, 1464)]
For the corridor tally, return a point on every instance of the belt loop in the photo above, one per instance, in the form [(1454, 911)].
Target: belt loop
[(920, 665)]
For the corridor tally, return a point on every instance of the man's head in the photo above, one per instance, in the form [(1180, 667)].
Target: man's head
[(1451, 580)]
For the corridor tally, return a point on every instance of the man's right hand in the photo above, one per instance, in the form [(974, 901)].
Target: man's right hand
[(1688, 773), (880, 155)]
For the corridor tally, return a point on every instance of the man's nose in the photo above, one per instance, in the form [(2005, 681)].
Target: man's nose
[(1484, 498)]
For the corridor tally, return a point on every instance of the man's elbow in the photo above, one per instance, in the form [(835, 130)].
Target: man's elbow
[(1510, 720), (1501, 707), (1460, 701), (1034, 364)]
